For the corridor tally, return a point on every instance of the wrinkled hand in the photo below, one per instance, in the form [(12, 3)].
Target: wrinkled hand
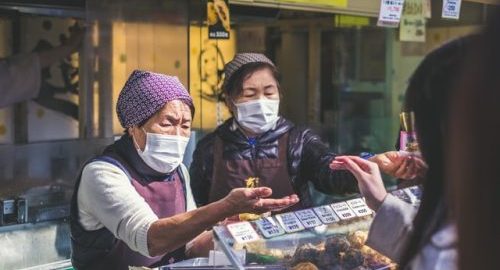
[(252, 200), (201, 245), (369, 179), (400, 166)]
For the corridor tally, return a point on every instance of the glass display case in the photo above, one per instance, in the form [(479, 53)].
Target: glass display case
[(325, 237)]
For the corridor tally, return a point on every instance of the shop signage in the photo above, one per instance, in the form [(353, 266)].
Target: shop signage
[(269, 227), (412, 26), (243, 232), (219, 24), (326, 214), (451, 9), (290, 222), (342, 20), (390, 13)]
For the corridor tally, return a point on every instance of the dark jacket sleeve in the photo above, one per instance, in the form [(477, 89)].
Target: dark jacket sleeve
[(314, 167), (201, 169)]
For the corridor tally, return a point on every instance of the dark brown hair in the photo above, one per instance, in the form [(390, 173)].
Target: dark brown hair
[(233, 87), (428, 95), (474, 153)]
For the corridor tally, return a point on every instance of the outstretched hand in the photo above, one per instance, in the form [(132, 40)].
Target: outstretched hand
[(254, 200), (369, 179)]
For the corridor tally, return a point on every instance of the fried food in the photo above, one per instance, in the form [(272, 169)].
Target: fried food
[(305, 266)]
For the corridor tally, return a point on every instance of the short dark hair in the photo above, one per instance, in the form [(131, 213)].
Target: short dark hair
[(234, 86)]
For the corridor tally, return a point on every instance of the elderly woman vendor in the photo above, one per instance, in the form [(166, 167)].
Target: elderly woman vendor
[(132, 205)]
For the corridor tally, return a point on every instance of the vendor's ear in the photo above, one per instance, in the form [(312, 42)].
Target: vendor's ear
[(230, 104)]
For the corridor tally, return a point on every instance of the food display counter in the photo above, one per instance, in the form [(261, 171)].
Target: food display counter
[(325, 237)]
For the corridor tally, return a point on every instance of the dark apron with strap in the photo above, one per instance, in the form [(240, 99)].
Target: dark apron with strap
[(166, 199), (230, 174)]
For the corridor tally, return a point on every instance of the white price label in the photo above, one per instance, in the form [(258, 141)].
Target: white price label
[(308, 218), (359, 207), (326, 214), (290, 222), (269, 227), (343, 211), (451, 9), (243, 232), (390, 13)]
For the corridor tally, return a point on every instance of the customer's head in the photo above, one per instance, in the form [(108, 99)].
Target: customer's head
[(252, 91), (428, 95), (473, 153), (154, 103)]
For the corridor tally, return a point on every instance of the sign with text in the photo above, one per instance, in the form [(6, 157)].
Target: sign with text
[(308, 218), (290, 222), (269, 227), (243, 232), (451, 9), (219, 24), (390, 13), (326, 214)]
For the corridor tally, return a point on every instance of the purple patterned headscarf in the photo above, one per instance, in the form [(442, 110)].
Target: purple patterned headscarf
[(147, 92)]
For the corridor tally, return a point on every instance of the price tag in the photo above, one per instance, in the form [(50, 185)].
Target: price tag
[(290, 222), (451, 9), (243, 232), (326, 214), (308, 218), (343, 211), (390, 13), (269, 227), (359, 207)]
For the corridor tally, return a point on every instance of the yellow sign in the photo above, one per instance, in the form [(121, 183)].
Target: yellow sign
[(207, 60), (350, 21), (330, 3)]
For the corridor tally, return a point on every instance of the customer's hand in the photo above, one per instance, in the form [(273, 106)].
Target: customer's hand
[(253, 200), (369, 180), (400, 166)]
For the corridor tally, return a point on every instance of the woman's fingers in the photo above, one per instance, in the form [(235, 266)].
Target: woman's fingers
[(337, 165), (260, 192), (351, 166)]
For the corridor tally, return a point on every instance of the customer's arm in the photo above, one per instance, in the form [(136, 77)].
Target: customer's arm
[(107, 198), (391, 227), (393, 220)]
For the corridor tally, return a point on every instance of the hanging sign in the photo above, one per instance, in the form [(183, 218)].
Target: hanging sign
[(390, 13), (412, 26), (219, 24), (451, 9), (427, 9)]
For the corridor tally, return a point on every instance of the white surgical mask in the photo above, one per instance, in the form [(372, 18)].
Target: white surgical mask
[(163, 153), (259, 115)]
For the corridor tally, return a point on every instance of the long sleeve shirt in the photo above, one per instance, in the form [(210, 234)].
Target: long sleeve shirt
[(106, 198)]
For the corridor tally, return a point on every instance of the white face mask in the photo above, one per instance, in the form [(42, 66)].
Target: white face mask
[(163, 153), (259, 115)]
